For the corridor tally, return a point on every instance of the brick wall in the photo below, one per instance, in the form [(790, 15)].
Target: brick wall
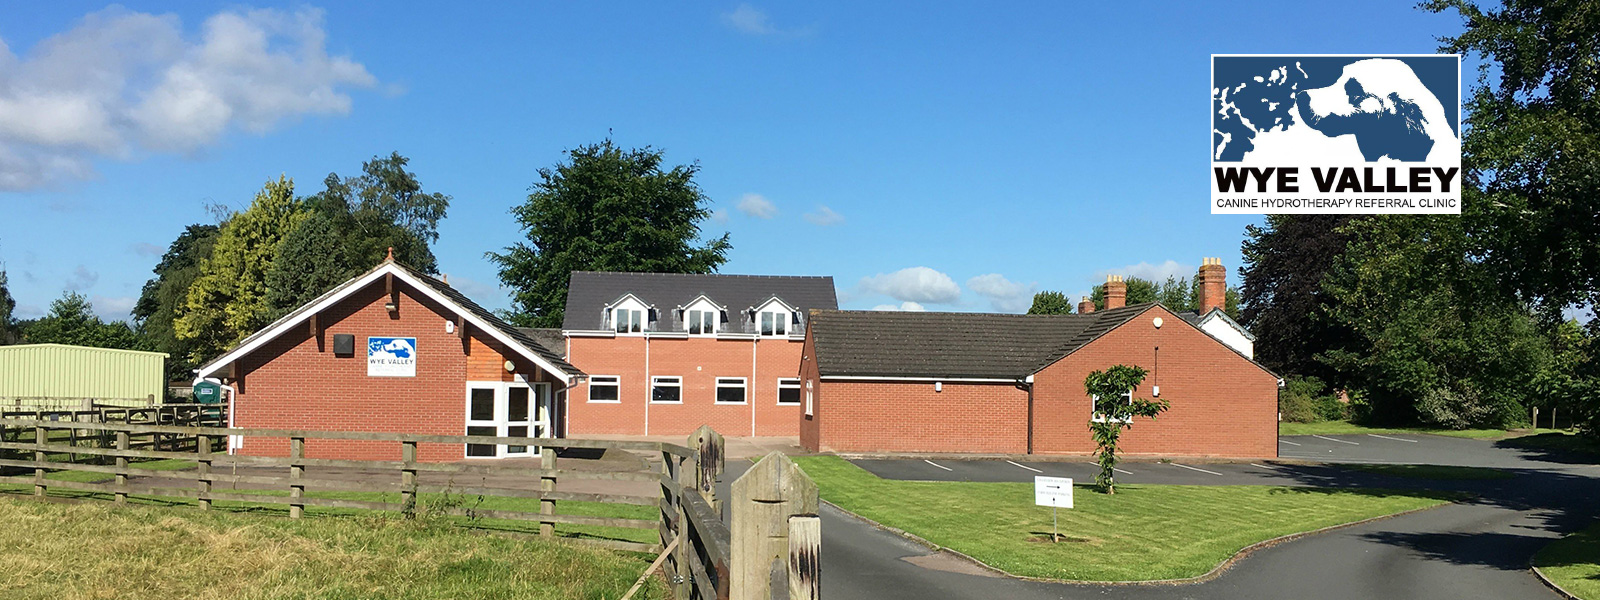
[(862, 416), (296, 382), (699, 362)]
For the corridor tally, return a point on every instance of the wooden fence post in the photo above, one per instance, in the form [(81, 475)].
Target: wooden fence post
[(669, 504), (547, 484), (41, 436), (297, 471), (763, 500), (203, 469), (408, 479), (805, 557), (686, 485), (122, 467), (709, 462)]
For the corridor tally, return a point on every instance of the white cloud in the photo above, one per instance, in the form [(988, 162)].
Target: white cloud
[(719, 216), (112, 309), (749, 19), (1004, 294), (147, 249), (1149, 272), (123, 83), (824, 216), (476, 290), (757, 206), (903, 306), (916, 284), (82, 279)]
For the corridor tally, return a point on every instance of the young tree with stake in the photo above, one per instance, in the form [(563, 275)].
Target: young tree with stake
[(1114, 409)]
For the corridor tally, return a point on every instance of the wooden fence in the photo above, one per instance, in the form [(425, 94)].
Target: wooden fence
[(188, 415)]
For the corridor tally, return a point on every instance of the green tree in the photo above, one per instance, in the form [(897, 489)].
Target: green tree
[(1140, 291), (228, 301), (164, 295), (1531, 156), (310, 262), (1177, 294), (7, 306), (605, 209), (1050, 303), (1286, 261), (1114, 409), (384, 207), (72, 321)]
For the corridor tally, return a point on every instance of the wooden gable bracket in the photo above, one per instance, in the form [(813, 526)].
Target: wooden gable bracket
[(394, 299), (461, 331), (316, 333)]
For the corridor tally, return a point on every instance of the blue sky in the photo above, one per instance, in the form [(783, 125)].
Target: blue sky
[(951, 156)]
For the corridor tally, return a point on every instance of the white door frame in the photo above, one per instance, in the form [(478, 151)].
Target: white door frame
[(536, 419)]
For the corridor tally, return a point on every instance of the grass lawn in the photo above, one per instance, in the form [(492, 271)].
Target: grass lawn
[(1348, 428), (1143, 532), (89, 550), (1434, 472), (1573, 563)]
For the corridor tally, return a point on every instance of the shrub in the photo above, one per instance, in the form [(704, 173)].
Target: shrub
[(1307, 400), (1462, 408)]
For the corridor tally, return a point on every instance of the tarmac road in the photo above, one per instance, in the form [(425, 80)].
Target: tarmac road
[(1479, 549)]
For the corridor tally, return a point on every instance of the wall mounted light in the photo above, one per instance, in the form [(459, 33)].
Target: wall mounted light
[(1157, 322), (449, 327), (511, 367), (938, 386)]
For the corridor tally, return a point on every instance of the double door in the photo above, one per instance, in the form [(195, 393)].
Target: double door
[(507, 409)]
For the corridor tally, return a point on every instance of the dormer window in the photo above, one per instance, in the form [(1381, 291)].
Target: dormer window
[(628, 315), (701, 317), (775, 318)]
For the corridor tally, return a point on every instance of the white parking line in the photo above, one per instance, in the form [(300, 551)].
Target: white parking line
[(1288, 442), (1391, 438), (1197, 469), (1113, 468), (1025, 467), (1334, 440), (937, 465)]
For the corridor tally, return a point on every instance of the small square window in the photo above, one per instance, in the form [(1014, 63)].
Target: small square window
[(1100, 418), (605, 388), (730, 390), (789, 391), (666, 390)]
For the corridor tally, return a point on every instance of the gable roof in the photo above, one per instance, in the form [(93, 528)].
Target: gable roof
[(439, 291), (1216, 314), (590, 292), (953, 345)]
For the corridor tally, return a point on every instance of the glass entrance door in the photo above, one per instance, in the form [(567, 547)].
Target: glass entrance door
[(506, 409)]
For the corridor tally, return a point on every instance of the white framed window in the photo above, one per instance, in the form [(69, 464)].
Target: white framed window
[(1097, 417), (731, 390), (701, 322), (628, 315), (666, 390), (775, 318), (810, 398), (774, 323), (789, 391), (605, 389)]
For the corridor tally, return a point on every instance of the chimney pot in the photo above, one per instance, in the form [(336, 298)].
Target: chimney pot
[(1085, 306), (1116, 292)]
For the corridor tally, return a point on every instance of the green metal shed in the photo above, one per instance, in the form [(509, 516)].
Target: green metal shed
[(58, 376)]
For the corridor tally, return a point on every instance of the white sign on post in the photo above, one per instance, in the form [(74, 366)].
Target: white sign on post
[(1052, 491)]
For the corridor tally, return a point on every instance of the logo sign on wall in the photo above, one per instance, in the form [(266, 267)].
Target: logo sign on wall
[(391, 357), (1336, 134)]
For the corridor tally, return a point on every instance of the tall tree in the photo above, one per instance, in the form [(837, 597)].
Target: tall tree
[(1114, 409), (1284, 304), (72, 321), (384, 207), (311, 261), (605, 209), (1178, 294), (1050, 303), (1531, 187), (164, 295), (7, 306), (228, 301)]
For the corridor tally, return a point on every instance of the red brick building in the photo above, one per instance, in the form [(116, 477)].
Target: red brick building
[(666, 353), (394, 350), (1013, 384)]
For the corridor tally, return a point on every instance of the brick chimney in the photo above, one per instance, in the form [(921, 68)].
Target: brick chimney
[(1213, 284), (1085, 306), (1116, 292)]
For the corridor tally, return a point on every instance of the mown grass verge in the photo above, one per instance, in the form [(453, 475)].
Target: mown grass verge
[(1348, 428), (1142, 533), (1573, 562), (89, 550)]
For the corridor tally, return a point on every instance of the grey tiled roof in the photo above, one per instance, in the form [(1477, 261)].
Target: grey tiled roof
[(589, 292), (548, 337), (521, 336), (954, 345)]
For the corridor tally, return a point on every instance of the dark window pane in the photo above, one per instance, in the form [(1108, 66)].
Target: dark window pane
[(778, 324), (788, 395), (665, 393), (766, 323), (480, 449), (604, 391), (730, 394), (482, 405), (518, 408), (518, 431)]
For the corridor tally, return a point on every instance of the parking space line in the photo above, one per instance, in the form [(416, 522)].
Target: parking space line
[(1112, 468), (1025, 467), (1391, 438), (937, 465), (1288, 442), (1197, 469), (1334, 440)]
